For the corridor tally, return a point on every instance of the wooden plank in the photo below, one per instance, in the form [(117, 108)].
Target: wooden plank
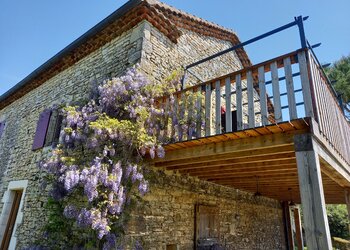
[(240, 154), (263, 96), (286, 126), (317, 88), (217, 108), (281, 178), (241, 134), (241, 166), (298, 228), (228, 98), (230, 146), (174, 119), (250, 90), (208, 109), (182, 119), (252, 132), (239, 102), (166, 118), (305, 83), (267, 173), (290, 89), (230, 162), (299, 124), (190, 117), (199, 114), (263, 131), (288, 224), (276, 92), (275, 129), (312, 196)]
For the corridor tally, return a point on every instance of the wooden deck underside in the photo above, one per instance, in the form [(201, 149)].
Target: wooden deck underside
[(255, 160)]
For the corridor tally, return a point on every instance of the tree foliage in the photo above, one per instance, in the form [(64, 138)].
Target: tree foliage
[(339, 73), (338, 221)]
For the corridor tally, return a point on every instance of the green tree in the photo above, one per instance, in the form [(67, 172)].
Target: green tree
[(339, 73), (338, 221)]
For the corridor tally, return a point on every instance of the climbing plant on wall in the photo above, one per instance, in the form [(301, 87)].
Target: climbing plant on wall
[(97, 170)]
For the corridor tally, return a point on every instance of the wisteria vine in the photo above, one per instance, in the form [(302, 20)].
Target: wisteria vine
[(98, 165)]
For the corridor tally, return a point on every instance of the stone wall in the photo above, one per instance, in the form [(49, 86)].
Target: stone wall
[(168, 215), (161, 56), (17, 160), (168, 206)]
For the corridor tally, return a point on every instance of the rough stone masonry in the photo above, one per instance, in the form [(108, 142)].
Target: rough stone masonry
[(167, 216)]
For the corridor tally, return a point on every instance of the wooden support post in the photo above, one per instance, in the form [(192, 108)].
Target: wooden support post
[(298, 228), (311, 191), (347, 200), (288, 225)]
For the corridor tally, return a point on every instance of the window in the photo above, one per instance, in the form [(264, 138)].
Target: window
[(47, 129), (207, 227), (12, 219), (54, 129), (11, 214)]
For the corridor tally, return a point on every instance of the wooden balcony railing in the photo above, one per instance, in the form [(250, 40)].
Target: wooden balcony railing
[(283, 89), (333, 125)]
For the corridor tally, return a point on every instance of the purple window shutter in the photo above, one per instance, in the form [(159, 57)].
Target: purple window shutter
[(2, 126), (41, 129)]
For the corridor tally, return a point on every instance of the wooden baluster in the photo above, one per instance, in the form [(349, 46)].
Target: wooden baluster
[(276, 92), (182, 116), (199, 113), (217, 107), (166, 119), (340, 132), (319, 100), (305, 83), (250, 89), (175, 120), (263, 97), (322, 107), (290, 89), (239, 102), (228, 114), (208, 109), (326, 108), (190, 116)]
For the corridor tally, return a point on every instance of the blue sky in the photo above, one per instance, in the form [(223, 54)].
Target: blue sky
[(34, 31)]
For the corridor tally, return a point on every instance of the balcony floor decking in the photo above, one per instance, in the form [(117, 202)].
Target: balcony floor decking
[(255, 160)]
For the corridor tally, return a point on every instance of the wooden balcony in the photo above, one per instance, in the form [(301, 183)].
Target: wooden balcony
[(244, 129)]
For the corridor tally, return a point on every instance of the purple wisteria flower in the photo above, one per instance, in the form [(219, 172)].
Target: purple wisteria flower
[(102, 145), (111, 241), (71, 212)]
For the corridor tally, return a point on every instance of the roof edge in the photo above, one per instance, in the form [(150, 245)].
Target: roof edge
[(193, 23), (75, 44)]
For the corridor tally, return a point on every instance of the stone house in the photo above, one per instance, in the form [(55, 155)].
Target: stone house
[(160, 39)]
